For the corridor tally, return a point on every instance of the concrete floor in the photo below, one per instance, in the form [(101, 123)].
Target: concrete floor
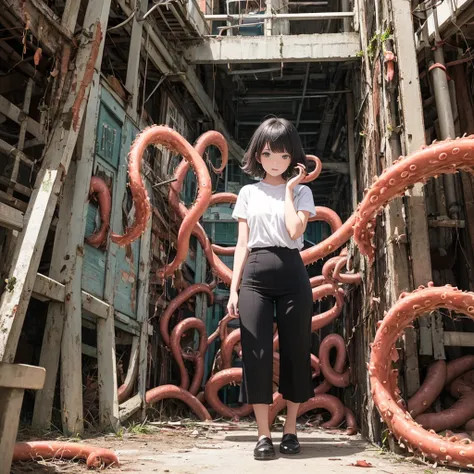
[(231, 453), (227, 448)]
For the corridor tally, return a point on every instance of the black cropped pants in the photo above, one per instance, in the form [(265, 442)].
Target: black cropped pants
[(275, 282)]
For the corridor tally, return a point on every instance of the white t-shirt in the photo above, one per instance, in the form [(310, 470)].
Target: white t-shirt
[(263, 205)]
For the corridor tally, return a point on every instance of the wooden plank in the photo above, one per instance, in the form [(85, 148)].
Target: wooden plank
[(10, 150), (13, 202), (107, 373), (10, 401), (24, 123), (16, 114), (142, 310), (414, 138), (130, 407), (89, 351), (16, 186), (57, 158), (94, 305), (48, 288), (10, 217), (21, 376), (458, 339), (132, 82)]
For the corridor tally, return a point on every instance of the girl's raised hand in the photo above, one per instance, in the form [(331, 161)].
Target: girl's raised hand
[(301, 170)]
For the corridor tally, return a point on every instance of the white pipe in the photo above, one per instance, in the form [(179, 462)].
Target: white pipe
[(283, 16)]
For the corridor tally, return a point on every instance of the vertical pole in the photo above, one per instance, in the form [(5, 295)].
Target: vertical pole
[(351, 148)]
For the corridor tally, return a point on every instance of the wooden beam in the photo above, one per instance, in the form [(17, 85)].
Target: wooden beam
[(10, 217), (132, 82), (14, 379), (130, 407), (10, 401), (142, 310), (57, 158), (17, 115), (15, 153), (431, 338), (458, 339), (48, 288), (21, 376), (23, 126)]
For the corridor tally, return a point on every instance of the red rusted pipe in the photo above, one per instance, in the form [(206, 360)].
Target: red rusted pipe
[(348, 278), (351, 422), (100, 191), (175, 303), (172, 391), (459, 366), (324, 214), (328, 268), (330, 403), (46, 450), (334, 377), (317, 169), (227, 348), (447, 156), (151, 135), (318, 321), (406, 309), (125, 390), (429, 390), (331, 244), (215, 383), (196, 357)]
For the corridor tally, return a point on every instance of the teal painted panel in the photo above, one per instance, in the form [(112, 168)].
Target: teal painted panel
[(95, 260), (127, 258), (93, 270), (109, 135)]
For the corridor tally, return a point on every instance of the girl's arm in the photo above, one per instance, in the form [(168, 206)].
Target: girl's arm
[(240, 257), (296, 221)]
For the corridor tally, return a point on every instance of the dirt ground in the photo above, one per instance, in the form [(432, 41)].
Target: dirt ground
[(226, 448)]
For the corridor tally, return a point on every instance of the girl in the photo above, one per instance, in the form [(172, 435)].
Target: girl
[(273, 215)]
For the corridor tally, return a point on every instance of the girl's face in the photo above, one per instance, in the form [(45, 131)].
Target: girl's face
[(274, 164)]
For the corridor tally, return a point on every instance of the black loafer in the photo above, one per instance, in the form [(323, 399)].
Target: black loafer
[(289, 444), (264, 450)]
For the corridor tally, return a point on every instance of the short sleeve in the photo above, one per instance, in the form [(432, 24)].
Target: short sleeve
[(240, 208), (305, 201)]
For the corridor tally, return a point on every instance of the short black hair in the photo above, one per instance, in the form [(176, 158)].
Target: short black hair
[(282, 137)]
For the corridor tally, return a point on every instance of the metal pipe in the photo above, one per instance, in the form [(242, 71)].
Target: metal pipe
[(305, 86), (307, 4), (446, 120), (243, 72), (351, 149), (288, 97), (283, 16), (256, 122), (345, 7)]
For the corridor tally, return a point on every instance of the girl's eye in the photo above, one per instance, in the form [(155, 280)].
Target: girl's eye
[(286, 157), (265, 154)]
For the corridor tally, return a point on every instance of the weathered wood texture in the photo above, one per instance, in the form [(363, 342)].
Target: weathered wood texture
[(42, 203), (63, 325), (14, 380)]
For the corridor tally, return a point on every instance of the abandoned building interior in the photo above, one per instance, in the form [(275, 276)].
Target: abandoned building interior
[(363, 81)]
